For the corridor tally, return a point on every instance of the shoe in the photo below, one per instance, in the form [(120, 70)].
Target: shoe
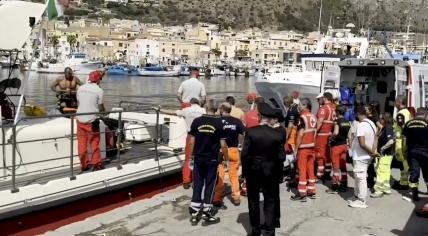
[(312, 196), (421, 213), (277, 223), (209, 219), (351, 199), (326, 177), (98, 167), (186, 185), (332, 191), (220, 205), (376, 195), (343, 188), (255, 232), (415, 194), (298, 198), (195, 218), (398, 186), (236, 202), (357, 204)]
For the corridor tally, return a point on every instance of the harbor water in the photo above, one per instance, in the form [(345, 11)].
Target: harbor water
[(148, 90)]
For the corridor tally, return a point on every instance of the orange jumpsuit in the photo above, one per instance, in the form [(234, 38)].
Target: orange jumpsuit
[(187, 173), (234, 156), (306, 154), (322, 151), (85, 135)]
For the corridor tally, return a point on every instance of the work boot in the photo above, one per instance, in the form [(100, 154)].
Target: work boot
[(195, 218), (343, 188), (236, 202), (186, 185), (376, 195), (220, 205), (326, 177), (415, 194), (298, 198), (333, 190), (209, 219), (357, 204), (398, 186)]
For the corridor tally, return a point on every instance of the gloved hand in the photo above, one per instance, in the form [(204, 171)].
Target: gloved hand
[(382, 150)]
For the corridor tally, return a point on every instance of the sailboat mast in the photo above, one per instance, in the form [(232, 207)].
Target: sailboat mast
[(319, 20)]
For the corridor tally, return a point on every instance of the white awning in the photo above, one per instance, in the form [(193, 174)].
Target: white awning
[(15, 22)]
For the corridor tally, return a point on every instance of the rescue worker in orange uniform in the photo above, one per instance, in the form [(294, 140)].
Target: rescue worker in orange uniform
[(306, 152), (233, 130), (339, 145), (325, 124)]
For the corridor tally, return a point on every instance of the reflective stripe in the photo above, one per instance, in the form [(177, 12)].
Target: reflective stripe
[(320, 167), (328, 122), (196, 204), (324, 134), (336, 174), (307, 145), (328, 164), (309, 131), (311, 187), (302, 190), (302, 183), (345, 173), (311, 180)]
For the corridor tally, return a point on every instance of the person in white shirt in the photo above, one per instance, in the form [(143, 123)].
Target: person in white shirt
[(363, 149), (189, 114), (192, 88), (90, 100)]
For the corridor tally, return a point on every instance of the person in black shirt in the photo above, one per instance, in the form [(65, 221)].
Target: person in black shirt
[(233, 130), (416, 135), (207, 137), (260, 155), (385, 148), (339, 148)]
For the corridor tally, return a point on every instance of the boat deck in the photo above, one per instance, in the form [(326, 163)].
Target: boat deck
[(167, 214), (135, 153)]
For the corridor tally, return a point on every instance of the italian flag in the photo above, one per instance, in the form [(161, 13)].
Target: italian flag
[(56, 8)]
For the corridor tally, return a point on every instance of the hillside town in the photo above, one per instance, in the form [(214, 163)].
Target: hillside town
[(139, 43)]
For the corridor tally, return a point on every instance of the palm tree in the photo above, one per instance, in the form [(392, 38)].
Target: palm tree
[(72, 40), (216, 52)]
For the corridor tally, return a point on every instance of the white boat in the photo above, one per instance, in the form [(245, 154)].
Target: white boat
[(307, 77), (40, 167), (77, 61), (160, 73)]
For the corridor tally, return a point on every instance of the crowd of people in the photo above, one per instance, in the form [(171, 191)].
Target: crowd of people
[(303, 145)]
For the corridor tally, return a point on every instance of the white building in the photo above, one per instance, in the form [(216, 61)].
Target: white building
[(143, 49)]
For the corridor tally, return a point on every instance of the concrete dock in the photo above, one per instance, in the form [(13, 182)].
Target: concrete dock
[(167, 214)]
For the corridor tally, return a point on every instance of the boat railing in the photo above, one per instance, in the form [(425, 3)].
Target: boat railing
[(155, 140)]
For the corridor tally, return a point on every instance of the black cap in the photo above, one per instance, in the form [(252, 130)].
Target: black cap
[(267, 110)]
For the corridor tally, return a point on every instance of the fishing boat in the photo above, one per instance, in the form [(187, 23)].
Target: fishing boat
[(121, 70), (79, 62), (40, 167), (159, 71)]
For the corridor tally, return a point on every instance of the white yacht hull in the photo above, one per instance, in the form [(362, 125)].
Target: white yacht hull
[(158, 73), (82, 69)]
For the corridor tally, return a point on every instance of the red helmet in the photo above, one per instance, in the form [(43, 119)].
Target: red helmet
[(295, 94)]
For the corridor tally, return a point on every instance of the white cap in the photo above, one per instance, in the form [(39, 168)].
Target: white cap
[(320, 95)]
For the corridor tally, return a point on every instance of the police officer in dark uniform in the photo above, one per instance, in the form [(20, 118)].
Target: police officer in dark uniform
[(416, 135), (259, 157), (207, 138)]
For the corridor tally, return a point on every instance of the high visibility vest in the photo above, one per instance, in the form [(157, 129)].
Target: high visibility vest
[(308, 139), (399, 127), (328, 123)]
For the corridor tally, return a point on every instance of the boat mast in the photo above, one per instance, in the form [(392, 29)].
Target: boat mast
[(319, 20)]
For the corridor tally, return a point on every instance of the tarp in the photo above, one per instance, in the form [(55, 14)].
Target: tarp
[(15, 22)]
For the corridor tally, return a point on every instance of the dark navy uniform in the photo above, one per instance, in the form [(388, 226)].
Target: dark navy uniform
[(260, 155), (207, 131), (416, 133)]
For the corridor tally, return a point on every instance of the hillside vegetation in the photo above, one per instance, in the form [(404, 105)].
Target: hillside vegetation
[(299, 15)]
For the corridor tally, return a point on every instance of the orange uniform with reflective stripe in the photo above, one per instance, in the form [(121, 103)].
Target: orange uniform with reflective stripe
[(328, 113), (308, 139), (306, 155)]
